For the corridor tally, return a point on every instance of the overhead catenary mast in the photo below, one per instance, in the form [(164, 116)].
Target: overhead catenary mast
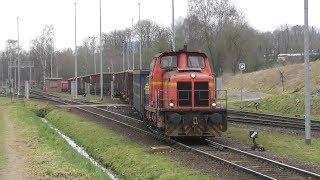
[(75, 50), (18, 56), (123, 66), (132, 44), (140, 34), (101, 74), (307, 69), (173, 29)]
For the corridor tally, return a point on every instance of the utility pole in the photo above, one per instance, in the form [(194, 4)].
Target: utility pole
[(57, 68), (127, 53), (2, 73), (15, 75), (132, 44), (51, 76), (307, 104), (140, 44), (101, 74), (75, 50), (123, 67), (30, 75), (51, 64), (18, 56), (173, 29), (94, 61), (44, 73), (9, 67)]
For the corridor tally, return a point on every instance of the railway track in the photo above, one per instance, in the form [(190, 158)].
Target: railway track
[(269, 120), (244, 161)]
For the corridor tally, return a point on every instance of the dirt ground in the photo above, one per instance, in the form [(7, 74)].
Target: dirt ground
[(15, 167)]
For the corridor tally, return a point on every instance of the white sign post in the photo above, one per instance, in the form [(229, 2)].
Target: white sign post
[(73, 89), (242, 67), (26, 90), (87, 91)]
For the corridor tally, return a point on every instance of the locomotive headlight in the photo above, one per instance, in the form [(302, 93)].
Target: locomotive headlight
[(171, 104), (214, 104), (193, 76)]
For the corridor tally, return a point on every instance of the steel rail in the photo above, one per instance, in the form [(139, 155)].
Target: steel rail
[(269, 120), (165, 139), (297, 170)]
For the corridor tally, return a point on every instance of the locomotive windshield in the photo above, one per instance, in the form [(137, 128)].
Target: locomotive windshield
[(168, 62), (196, 62)]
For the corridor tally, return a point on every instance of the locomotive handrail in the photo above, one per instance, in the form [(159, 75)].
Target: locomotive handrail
[(222, 99)]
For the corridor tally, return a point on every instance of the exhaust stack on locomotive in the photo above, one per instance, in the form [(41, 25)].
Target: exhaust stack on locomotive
[(179, 98)]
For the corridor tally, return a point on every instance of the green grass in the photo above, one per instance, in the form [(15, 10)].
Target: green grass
[(126, 158), (49, 156), (282, 104), (285, 145)]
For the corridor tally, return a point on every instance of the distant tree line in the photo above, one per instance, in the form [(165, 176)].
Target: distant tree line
[(215, 27)]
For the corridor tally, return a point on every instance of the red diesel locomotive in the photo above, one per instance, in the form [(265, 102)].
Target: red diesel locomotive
[(181, 96), (176, 97)]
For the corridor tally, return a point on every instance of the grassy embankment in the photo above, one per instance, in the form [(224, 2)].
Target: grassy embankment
[(46, 154), (291, 146), (268, 80), (289, 102), (127, 159), (282, 104)]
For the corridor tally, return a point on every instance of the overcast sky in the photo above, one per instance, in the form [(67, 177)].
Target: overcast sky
[(264, 15)]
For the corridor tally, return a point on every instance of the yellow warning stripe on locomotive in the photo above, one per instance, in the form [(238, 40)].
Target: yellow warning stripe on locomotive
[(211, 85), (173, 84), (165, 84)]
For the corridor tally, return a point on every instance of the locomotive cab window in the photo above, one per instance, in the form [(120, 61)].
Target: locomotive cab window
[(168, 62), (196, 62)]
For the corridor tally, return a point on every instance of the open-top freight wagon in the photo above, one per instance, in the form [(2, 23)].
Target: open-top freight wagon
[(94, 81)]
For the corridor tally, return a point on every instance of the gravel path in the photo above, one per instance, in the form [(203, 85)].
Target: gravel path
[(13, 145)]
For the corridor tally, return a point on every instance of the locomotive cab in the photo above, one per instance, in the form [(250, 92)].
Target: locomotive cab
[(182, 96)]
